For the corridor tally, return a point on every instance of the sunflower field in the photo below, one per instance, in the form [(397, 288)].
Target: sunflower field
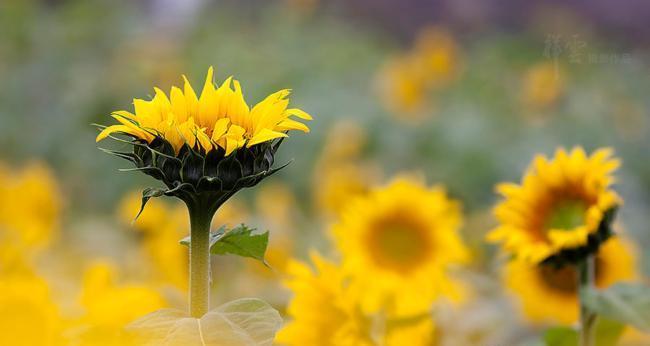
[(324, 173)]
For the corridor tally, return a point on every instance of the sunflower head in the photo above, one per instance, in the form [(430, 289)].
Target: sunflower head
[(399, 242), (324, 307), (213, 144), (561, 211)]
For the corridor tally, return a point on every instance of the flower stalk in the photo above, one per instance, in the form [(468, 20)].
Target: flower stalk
[(200, 221), (586, 273)]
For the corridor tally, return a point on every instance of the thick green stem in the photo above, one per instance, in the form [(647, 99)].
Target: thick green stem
[(200, 219), (586, 273)]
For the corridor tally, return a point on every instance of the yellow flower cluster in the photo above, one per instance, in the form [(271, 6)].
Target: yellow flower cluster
[(45, 310), (340, 173), (560, 202), (30, 203), (398, 245), (162, 226), (407, 79), (109, 306), (219, 117), (326, 313)]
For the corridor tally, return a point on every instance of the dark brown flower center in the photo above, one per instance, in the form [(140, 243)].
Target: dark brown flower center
[(565, 279), (399, 245)]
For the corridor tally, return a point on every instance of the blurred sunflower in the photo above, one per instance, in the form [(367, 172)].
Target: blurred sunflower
[(418, 333), (346, 140), (403, 87), (542, 86), (438, 54), (338, 183), (30, 206), (398, 242), (342, 323), (549, 294), (276, 204), (341, 172), (162, 226), (324, 308), (28, 315), (110, 306), (407, 80), (559, 203)]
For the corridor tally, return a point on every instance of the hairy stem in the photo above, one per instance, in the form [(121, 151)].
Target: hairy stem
[(200, 219), (586, 273)]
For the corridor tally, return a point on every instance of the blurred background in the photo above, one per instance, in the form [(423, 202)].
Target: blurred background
[(462, 93)]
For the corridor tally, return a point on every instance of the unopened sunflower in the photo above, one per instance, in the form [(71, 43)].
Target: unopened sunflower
[(213, 144), (204, 149), (398, 242), (561, 210)]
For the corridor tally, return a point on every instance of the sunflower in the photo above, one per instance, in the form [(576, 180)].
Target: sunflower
[(341, 172), (547, 293), (218, 118), (30, 206), (325, 311), (211, 145), (324, 308), (398, 242), (109, 306), (407, 80), (26, 303), (559, 204), (542, 86)]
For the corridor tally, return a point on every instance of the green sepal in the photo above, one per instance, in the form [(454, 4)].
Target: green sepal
[(147, 194)]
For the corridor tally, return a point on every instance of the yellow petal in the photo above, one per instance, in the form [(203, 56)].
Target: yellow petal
[(208, 86), (204, 140), (179, 105), (190, 98), (299, 113), (264, 136), (161, 101), (220, 128), (289, 124)]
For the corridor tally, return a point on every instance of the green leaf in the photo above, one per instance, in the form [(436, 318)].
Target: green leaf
[(243, 322), (148, 194), (561, 336), (240, 241), (626, 303), (607, 333)]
